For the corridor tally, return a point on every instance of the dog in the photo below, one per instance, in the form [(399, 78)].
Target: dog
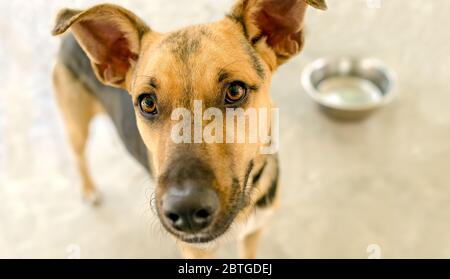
[(112, 62)]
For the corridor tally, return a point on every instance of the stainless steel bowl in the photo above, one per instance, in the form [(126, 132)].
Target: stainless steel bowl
[(348, 88)]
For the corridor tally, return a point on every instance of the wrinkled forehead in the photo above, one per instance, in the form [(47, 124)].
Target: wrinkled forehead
[(194, 59)]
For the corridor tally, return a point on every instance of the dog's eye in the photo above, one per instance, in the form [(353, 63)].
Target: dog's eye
[(147, 104), (235, 92)]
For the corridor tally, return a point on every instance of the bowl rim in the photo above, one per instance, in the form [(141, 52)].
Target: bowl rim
[(313, 93)]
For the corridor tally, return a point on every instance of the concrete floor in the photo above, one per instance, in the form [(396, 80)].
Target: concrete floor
[(378, 188)]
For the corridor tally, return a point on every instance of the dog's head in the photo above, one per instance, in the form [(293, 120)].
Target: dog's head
[(202, 183)]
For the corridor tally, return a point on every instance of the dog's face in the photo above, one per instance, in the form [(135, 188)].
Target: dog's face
[(202, 185)]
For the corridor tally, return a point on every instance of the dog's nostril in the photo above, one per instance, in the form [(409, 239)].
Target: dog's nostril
[(190, 208), (173, 217), (201, 215)]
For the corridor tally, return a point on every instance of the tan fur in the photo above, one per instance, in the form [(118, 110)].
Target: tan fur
[(162, 64), (77, 107), (185, 65), (249, 245), (193, 252)]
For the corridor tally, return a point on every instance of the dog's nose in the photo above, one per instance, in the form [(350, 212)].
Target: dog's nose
[(189, 208)]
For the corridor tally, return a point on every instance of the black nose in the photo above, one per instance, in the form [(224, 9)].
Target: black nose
[(189, 208)]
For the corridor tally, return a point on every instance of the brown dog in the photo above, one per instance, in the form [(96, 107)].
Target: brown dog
[(202, 188)]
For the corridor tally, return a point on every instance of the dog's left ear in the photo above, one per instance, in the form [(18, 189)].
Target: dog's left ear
[(274, 27), (111, 37)]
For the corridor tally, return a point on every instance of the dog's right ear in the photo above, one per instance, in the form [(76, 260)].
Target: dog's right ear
[(111, 37)]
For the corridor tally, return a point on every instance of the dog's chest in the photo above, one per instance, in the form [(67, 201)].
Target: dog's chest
[(257, 220)]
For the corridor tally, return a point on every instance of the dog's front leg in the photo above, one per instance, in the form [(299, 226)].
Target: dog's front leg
[(248, 245), (192, 252)]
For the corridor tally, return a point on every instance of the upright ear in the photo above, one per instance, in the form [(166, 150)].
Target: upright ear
[(111, 37), (276, 24)]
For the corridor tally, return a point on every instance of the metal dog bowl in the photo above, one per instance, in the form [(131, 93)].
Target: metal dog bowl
[(349, 88)]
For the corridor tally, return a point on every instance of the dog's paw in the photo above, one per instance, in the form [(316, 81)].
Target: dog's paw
[(92, 198)]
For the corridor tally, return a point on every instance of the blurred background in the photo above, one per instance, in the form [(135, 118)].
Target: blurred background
[(376, 188)]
